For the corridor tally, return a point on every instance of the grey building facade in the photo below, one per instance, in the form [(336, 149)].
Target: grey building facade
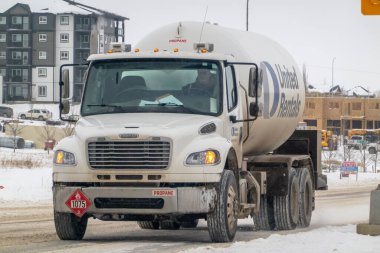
[(33, 45)]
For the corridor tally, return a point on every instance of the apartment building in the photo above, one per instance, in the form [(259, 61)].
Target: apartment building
[(33, 45), (341, 113)]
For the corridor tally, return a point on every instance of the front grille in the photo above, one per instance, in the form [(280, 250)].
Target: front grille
[(133, 203), (129, 155)]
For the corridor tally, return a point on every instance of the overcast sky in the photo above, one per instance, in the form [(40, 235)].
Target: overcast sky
[(314, 32)]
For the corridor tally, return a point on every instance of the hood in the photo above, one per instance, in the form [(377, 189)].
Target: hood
[(143, 125)]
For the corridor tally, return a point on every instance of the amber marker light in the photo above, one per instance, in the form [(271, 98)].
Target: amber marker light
[(210, 157), (110, 51), (155, 50), (137, 50), (175, 50), (59, 158), (203, 50)]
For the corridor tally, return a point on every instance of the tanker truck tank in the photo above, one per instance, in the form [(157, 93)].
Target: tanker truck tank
[(282, 88)]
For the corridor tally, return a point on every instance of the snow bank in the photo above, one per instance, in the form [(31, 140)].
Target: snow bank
[(327, 239)]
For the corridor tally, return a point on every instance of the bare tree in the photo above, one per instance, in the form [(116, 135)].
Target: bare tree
[(328, 157), (68, 130), (15, 128), (48, 134)]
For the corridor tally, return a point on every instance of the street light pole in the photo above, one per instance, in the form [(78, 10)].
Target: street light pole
[(247, 16), (332, 73)]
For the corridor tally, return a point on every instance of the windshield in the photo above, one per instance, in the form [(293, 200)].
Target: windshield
[(173, 86)]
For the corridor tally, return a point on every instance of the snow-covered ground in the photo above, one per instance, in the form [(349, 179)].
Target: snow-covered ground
[(24, 186)]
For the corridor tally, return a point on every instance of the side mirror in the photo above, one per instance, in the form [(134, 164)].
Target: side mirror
[(66, 84), (65, 107), (254, 82)]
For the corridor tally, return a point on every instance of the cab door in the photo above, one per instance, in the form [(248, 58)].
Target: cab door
[(233, 131)]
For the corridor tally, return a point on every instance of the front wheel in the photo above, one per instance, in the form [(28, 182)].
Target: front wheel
[(70, 227), (222, 222)]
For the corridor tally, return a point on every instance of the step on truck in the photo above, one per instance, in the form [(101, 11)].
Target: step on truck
[(195, 122)]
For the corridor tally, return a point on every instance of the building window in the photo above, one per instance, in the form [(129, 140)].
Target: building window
[(42, 91), (3, 20), (64, 20), (310, 105), (3, 55), (369, 124), (64, 37), (42, 55), (357, 124), (16, 55), (64, 55), (42, 20), (42, 37), (3, 72), (357, 106), (333, 105), (311, 122), (16, 37), (374, 106), (16, 20), (16, 72), (3, 37), (84, 38), (42, 72)]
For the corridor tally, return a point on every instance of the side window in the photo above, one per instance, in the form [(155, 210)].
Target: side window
[(231, 88)]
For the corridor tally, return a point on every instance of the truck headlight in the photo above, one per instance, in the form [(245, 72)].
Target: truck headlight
[(209, 157), (63, 157)]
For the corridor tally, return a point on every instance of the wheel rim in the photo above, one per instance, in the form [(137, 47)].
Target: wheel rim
[(307, 198), (294, 205), (231, 207)]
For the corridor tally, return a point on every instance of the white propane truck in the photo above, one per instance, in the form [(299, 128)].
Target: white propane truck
[(153, 146)]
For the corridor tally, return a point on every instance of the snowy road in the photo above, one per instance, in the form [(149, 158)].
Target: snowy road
[(31, 228)]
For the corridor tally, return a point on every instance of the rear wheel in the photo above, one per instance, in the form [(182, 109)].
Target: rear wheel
[(305, 197), (264, 219), (41, 118), (222, 222), (286, 208), (149, 224), (70, 227), (22, 116)]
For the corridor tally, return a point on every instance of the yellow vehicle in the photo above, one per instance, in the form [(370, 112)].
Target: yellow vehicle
[(371, 135), (329, 140)]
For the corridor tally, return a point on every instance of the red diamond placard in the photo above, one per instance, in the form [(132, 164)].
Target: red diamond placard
[(78, 203)]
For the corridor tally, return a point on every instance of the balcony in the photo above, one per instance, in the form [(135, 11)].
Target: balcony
[(82, 45), (19, 79), (82, 27)]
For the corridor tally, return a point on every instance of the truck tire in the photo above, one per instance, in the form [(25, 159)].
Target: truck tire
[(305, 197), (149, 224), (264, 219), (286, 208), (372, 150), (70, 227), (190, 224), (222, 222), (170, 225)]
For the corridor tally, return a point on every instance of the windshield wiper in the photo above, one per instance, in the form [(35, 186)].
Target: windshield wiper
[(106, 105)]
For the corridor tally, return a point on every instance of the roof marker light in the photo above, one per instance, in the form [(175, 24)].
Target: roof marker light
[(137, 50), (155, 50), (110, 51), (175, 50)]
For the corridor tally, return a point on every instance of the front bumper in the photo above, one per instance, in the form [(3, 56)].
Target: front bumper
[(128, 200)]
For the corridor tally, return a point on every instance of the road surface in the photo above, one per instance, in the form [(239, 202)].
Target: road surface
[(31, 228)]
